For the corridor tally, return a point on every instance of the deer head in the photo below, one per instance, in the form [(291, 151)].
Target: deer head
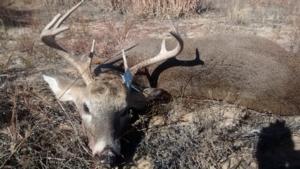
[(103, 101)]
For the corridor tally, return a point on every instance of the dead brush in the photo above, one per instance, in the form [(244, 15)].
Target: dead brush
[(18, 97), (119, 32), (26, 44), (57, 4), (295, 36), (160, 8), (116, 36), (13, 16), (33, 119), (6, 3), (242, 12), (79, 45)]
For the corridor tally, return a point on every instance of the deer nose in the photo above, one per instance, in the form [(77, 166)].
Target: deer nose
[(107, 156)]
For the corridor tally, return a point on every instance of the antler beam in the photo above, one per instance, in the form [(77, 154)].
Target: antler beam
[(54, 28), (164, 54)]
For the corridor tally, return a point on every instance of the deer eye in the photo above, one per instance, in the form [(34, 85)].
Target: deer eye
[(126, 112), (85, 108)]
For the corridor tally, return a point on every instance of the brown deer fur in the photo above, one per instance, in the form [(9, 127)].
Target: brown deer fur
[(242, 69)]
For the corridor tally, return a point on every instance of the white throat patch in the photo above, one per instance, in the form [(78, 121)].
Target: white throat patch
[(99, 146)]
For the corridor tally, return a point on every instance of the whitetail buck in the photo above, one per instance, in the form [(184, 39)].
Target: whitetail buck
[(249, 71), (104, 100)]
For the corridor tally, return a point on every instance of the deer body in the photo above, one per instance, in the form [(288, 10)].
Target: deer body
[(246, 70)]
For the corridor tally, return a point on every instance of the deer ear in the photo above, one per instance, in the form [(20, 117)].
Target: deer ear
[(63, 89), (157, 95)]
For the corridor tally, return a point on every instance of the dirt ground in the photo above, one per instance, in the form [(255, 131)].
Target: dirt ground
[(38, 131)]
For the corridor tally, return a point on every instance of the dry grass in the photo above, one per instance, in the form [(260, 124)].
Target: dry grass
[(36, 132), (156, 7), (30, 126), (6, 3), (295, 37), (257, 11), (12, 16), (236, 11), (208, 141), (26, 44)]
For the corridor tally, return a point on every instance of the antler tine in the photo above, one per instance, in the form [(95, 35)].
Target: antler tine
[(164, 54), (124, 60), (93, 46), (91, 56), (53, 21), (54, 28), (67, 14), (59, 19)]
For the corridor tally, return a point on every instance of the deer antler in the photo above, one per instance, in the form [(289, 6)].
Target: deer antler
[(164, 54), (54, 28)]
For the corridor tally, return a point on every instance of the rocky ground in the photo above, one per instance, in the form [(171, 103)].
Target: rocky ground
[(37, 131)]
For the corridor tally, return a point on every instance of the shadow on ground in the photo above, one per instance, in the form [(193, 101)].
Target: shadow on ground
[(275, 148)]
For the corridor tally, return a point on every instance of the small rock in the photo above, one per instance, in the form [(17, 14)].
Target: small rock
[(157, 121), (296, 140), (143, 164), (187, 118)]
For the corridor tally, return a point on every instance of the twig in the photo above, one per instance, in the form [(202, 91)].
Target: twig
[(8, 61), (237, 165), (16, 149), (118, 55), (13, 120)]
